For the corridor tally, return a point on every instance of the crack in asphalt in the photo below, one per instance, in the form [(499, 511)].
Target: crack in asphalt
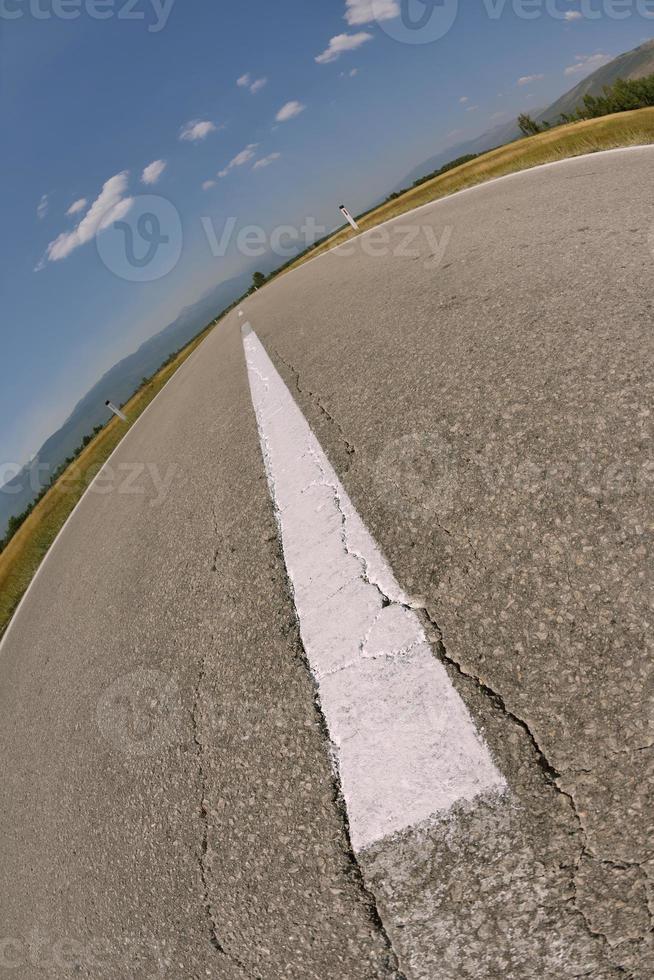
[(204, 815), (354, 871), (214, 937), (338, 800), (551, 774), (315, 400)]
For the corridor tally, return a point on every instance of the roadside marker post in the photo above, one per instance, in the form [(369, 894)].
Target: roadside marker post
[(346, 214), (116, 411)]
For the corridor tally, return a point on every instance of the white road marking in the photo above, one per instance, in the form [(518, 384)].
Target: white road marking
[(404, 744)]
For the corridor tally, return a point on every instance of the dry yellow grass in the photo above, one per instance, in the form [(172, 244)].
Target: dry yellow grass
[(574, 139), (26, 550)]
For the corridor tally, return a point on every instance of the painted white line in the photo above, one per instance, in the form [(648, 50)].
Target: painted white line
[(404, 744)]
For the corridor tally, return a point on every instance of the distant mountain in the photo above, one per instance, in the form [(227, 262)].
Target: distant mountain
[(632, 64), (498, 136), (118, 385)]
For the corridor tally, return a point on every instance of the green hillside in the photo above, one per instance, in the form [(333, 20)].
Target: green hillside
[(633, 64)]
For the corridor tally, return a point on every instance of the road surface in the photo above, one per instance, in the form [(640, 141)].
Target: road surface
[(479, 376)]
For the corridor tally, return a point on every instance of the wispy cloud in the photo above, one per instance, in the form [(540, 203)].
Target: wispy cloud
[(208, 184), (266, 161), (240, 159), (42, 207), (289, 111), (366, 11), (586, 63), (528, 79), (464, 99), (340, 44), (197, 129), (253, 85), (110, 205), (77, 206), (153, 171)]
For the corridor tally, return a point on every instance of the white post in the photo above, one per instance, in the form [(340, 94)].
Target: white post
[(346, 214), (116, 411)]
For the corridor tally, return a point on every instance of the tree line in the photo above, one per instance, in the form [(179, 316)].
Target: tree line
[(624, 95)]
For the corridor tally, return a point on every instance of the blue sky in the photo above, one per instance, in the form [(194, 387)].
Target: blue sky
[(89, 103)]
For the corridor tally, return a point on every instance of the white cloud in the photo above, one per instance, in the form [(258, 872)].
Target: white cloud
[(464, 99), (244, 156), (208, 184), (240, 159), (254, 85), (341, 43), (266, 161), (573, 15), (42, 207), (472, 108), (365, 11), (352, 73), (110, 205), (586, 63), (197, 129), (153, 171), (289, 111), (77, 206), (528, 79)]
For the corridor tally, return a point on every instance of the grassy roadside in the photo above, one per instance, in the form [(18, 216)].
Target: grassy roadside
[(21, 558), (571, 140)]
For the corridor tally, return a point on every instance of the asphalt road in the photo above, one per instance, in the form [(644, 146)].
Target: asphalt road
[(479, 375)]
